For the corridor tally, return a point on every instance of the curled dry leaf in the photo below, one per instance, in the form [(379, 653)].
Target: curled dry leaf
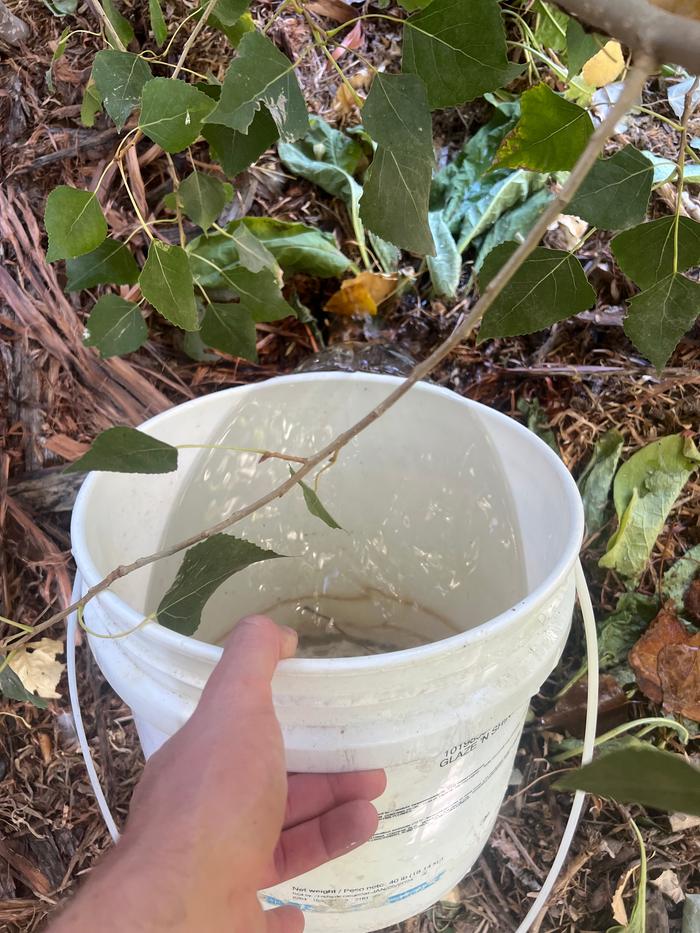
[(344, 102), (353, 40), (666, 664), (37, 667), (362, 294), (605, 66), (570, 711), (669, 885)]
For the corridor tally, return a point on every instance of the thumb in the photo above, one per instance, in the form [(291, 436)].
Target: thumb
[(243, 676)]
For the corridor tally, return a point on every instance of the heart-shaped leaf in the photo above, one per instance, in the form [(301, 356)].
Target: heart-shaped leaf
[(203, 197), (205, 567), (126, 450), (658, 317), (119, 78), (166, 281), (172, 113), (234, 150), (110, 264), (74, 222), (231, 329), (115, 327), (645, 253), (615, 193)]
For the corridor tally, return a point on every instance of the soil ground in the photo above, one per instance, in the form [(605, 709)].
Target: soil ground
[(55, 396)]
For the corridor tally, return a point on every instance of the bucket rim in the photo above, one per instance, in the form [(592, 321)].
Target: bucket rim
[(203, 651)]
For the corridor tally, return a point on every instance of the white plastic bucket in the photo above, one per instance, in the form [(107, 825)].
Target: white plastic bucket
[(431, 485)]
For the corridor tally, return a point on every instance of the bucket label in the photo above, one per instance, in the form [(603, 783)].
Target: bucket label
[(437, 815)]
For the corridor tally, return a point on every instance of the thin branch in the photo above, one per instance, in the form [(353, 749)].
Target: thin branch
[(630, 92), (663, 36), (688, 108), (99, 9), (199, 26)]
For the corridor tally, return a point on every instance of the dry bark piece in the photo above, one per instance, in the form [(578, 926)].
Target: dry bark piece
[(643, 658)]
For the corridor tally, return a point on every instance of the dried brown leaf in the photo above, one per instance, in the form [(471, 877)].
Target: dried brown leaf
[(643, 658)]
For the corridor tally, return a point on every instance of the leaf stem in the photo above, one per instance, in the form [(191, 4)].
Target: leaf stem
[(264, 454), (631, 89), (688, 108), (650, 722), (135, 206), (20, 625)]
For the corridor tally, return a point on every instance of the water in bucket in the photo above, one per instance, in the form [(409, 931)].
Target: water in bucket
[(429, 546)]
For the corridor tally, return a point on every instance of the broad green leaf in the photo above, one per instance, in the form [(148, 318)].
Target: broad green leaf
[(158, 24), (580, 46), (252, 253), (110, 264), (204, 568), (458, 49), (637, 921), (551, 26), (296, 247), (678, 577), (74, 223), (658, 317), (645, 253), (126, 450), (61, 7), (228, 12), (166, 281), (91, 105), (121, 26), (596, 480), (550, 135), (550, 286), (326, 157), (230, 328), (514, 224), (491, 197), (203, 197), (446, 265), (396, 115), (115, 327), (236, 151), (396, 198), (258, 293), (119, 78), (619, 631), (640, 774), (615, 193), (195, 348), (645, 489), (13, 688), (314, 504), (172, 113), (261, 74), (413, 5), (235, 33)]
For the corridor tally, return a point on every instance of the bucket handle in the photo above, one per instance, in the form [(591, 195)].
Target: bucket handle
[(586, 756)]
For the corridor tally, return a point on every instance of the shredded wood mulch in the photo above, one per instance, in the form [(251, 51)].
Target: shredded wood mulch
[(55, 395)]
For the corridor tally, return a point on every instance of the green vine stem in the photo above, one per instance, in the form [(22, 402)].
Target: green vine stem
[(632, 88), (688, 108), (649, 723)]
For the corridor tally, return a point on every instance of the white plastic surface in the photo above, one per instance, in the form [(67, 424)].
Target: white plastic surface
[(443, 719)]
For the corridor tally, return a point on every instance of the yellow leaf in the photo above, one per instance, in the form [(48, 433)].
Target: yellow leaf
[(37, 667), (605, 66), (345, 102), (362, 294)]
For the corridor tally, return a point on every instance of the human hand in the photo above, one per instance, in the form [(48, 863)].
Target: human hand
[(215, 816)]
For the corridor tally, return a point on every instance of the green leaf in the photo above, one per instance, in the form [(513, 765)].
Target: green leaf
[(580, 46), (230, 328), (74, 222), (13, 688), (514, 224), (550, 135), (110, 264), (121, 26), (314, 504), (61, 7), (296, 247), (158, 24), (445, 266), (91, 105), (396, 198), (666, 170), (172, 113), (166, 281), (458, 49), (236, 151), (126, 450), (640, 774), (491, 197), (645, 253), (538, 422), (549, 286), (115, 327), (120, 77), (60, 49), (205, 567), (637, 922), (326, 157), (396, 115), (258, 293), (619, 631), (261, 74), (616, 191), (645, 489), (551, 26), (678, 577), (661, 315), (252, 253), (203, 197), (228, 12), (596, 480)]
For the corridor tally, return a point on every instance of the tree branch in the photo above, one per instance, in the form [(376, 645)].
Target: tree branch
[(628, 97), (643, 27)]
